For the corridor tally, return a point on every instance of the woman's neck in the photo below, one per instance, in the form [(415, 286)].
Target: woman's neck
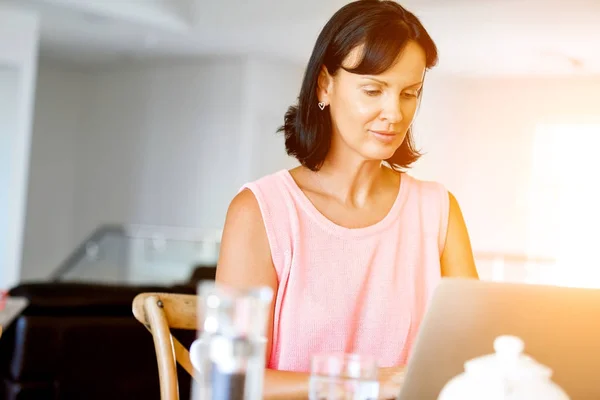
[(353, 182)]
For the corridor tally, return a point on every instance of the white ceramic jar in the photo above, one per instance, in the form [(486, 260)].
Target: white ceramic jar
[(508, 374)]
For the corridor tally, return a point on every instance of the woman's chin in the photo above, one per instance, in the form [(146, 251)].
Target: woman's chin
[(379, 152)]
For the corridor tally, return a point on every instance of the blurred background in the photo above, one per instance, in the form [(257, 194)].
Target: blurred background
[(127, 126)]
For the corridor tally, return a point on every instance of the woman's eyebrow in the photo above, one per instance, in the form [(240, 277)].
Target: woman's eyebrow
[(415, 84), (384, 83)]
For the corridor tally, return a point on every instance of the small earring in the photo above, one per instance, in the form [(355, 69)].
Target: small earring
[(321, 105)]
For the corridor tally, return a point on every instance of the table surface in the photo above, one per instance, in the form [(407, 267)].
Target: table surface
[(10, 308)]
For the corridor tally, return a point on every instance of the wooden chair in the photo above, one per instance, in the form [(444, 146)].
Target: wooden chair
[(159, 312)]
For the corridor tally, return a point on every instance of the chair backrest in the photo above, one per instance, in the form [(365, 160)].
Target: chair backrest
[(159, 312)]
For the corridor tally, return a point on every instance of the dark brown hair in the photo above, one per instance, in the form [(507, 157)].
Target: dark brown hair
[(383, 28)]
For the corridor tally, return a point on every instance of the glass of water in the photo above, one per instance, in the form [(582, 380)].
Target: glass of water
[(341, 376), (229, 354)]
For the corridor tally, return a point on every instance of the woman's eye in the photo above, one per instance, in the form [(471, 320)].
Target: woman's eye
[(410, 94), (372, 93)]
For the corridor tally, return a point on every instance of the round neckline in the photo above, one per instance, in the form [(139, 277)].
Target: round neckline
[(340, 230)]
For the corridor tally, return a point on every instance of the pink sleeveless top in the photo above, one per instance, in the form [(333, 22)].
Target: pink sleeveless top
[(361, 290)]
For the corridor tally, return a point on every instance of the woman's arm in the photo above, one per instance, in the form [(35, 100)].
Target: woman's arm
[(245, 261), (457, 258)]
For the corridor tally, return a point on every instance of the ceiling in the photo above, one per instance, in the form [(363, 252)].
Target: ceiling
[(497, 37)]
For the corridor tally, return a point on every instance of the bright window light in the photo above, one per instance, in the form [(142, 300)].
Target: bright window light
[(564, 204)]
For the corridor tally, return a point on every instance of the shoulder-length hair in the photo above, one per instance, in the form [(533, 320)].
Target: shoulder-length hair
[(383, 28)]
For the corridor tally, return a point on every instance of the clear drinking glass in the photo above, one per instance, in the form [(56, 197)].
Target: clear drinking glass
[(229, 354), (341, 376)]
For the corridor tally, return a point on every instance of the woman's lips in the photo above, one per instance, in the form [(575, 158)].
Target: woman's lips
[(384, 136)]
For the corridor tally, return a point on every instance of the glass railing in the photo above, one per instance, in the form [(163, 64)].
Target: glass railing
[(140, 254), (517, 268), (143, 254)]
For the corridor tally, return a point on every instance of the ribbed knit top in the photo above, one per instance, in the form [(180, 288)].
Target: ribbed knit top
[(362, 290)]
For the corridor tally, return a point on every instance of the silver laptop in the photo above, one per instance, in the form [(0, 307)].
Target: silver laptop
[(560, 327)]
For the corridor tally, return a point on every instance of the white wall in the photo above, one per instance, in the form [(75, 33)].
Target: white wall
[(271, 87), (9, 90), (172, 144), (159, 144), (478, 135), (61, 102), (18, 52)]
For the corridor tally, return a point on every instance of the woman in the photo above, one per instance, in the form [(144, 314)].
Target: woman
[(352, 246)]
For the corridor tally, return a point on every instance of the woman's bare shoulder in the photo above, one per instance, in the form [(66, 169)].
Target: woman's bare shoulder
[(243, 208), (245, 255)]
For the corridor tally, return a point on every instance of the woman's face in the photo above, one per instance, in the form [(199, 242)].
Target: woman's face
[(371, 114)]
